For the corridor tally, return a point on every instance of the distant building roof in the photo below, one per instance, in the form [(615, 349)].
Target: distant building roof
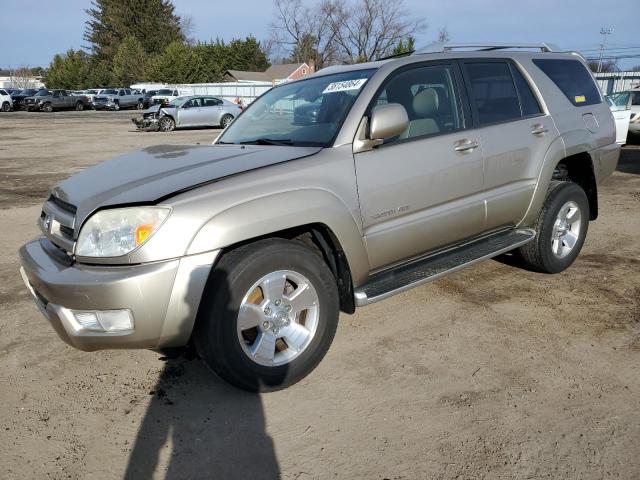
[(274, 73)]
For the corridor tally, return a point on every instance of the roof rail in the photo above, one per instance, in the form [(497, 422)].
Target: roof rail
[(447, 47)]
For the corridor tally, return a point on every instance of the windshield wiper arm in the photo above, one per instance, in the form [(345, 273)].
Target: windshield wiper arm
[(268, 141)]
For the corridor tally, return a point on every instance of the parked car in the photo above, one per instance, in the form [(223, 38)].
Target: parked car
[(191, 111), (164, 96), (11, 91), (18, 97), (50, 100), (620, 104), (634, 120), (415, 168), (91, 94), (146, 99), (6, 103), (117, 98)]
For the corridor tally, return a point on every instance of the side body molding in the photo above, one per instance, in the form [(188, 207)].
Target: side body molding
[(281, 211)]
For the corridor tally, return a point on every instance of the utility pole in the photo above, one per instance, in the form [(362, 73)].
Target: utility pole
[(604, 32)]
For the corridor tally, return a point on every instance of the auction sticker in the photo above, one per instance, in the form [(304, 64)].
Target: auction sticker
[(345, 86)]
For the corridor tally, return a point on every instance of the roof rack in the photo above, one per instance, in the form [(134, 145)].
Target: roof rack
[(447, 47)]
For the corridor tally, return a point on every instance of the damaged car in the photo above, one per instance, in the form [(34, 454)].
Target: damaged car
[(192, 111)]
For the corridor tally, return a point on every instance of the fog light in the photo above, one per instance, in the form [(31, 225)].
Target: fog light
[(105, 320)]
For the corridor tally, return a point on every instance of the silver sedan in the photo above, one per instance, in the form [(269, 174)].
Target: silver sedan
[(195, 111)]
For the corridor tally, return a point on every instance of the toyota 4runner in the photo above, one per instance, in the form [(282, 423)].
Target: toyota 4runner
[(412, 168)]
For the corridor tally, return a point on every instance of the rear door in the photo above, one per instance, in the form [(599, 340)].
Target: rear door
[(212, 111), (423, 189), (515, 134)]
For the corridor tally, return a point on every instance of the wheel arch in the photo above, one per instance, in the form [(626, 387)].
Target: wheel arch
[(315, 217)]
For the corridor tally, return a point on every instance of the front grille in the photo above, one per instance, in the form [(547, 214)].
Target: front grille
[(57, 222)]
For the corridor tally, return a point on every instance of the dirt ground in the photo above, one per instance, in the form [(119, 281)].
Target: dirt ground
[(492, 372)]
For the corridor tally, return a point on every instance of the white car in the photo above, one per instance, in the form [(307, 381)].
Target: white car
[(6, 103), (625, 107), (164, 96)]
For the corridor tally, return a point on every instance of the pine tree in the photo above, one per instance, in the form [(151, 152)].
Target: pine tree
[(153, 22), (129, 62), (69, 71)]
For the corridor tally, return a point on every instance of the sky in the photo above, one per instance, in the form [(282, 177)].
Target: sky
[(33, 31)]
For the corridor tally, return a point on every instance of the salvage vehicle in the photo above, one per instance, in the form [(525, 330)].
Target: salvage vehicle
[(18, 97), (620, 105), (6, 102), (50, 100), (115, 99), (146, 98), (416, 167), (164, 96), (192, 111)]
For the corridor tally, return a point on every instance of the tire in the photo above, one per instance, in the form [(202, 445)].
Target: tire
[(551, 251), (116, 105), (79, 106), (140, 105), (47, 107), (167, 124), (226, 120), (225, 345), (6, 107)]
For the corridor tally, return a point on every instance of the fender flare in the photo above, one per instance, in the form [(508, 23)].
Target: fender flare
[(291, 209)]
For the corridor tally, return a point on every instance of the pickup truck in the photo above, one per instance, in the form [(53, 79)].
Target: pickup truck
[(50, 100), (117, 98), (412, 168)]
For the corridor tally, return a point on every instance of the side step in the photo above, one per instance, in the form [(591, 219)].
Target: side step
[(426, 269)]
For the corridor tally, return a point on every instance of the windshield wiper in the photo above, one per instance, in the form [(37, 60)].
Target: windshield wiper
[(268, 141)]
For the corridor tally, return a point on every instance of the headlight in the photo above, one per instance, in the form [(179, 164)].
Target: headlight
[(118, 231)]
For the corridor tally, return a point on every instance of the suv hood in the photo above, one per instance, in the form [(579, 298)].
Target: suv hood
[(148, 175)]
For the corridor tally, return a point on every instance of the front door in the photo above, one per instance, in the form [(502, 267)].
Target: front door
[(423, 189)]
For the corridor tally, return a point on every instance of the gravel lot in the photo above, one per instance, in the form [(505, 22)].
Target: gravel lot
[(493, 372)]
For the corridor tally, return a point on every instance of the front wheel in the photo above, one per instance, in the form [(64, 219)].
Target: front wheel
[(226, 120), (140, 105), (79, 107), (269, 315), (6, 107), (47, 107), (167, 124), (561, 229), (116, 106)]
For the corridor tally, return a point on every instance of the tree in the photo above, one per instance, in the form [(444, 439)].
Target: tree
[(153, 22), (129, 62), (22, 77), (69, 71), (443, 35), (346, 31), (606, 67), (178, 63), (635, 69), (403, 47)]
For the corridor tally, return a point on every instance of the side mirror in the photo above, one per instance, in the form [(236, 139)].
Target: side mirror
[(388, 121)]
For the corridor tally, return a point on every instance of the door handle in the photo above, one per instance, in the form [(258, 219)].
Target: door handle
[(465, 146), (539, 129)]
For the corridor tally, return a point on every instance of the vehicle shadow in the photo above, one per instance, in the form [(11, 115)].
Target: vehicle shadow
[(198, 426), (629, 161)]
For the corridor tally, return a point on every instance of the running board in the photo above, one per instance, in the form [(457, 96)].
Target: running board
[(426, 269)]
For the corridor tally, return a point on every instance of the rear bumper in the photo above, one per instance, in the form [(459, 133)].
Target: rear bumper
[(163, 297)]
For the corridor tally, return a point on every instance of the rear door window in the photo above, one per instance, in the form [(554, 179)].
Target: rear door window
[(528, 103), (494, 97), (573, 78)]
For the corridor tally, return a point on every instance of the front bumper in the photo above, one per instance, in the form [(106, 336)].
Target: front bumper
[(163, 297)]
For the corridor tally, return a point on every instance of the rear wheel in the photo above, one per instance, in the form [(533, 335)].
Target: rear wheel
[(561, 229), (79, 106), (269, 315), (226, 120), (167, 124), (6, 107)]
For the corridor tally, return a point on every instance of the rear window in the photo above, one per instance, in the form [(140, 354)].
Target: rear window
[(572, 77)]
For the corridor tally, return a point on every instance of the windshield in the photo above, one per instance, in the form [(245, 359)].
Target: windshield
[(619, 101), (305, 113), (43, 93), (164, 92), (91, 92), (178, 102), (108, 92)]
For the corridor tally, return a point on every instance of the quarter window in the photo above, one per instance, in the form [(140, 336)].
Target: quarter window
[(528, 103), (428, 94), (493, 94), (573, 78)]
